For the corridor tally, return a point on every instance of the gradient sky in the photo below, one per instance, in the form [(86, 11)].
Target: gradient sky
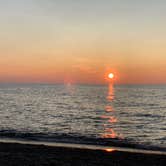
[(80, 41)]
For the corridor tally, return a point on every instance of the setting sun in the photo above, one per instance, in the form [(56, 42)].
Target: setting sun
[(111, 75)]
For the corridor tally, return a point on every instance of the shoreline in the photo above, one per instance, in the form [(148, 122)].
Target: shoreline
[(29, 154), (82, 146)]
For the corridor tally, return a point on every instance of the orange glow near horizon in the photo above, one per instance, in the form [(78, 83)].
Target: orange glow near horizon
[(56, 71)]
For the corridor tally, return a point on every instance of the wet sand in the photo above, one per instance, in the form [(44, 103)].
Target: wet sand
[(15, 154)]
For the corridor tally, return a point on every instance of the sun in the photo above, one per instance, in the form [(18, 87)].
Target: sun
[(111, 75)]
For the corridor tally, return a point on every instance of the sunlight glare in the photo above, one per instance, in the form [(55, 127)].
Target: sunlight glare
[(111, 75)]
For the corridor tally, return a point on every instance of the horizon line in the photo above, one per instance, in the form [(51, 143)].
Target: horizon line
[(62, 83)]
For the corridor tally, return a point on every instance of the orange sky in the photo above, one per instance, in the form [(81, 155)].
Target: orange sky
[(81, 42)]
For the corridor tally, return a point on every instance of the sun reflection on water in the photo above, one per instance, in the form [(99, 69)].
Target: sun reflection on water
[(110, 150), (109, 108), (109, 131), (110, 95)]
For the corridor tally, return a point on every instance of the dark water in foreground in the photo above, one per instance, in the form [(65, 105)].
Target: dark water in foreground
[(85, 114)]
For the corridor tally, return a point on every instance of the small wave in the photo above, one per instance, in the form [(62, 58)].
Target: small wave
[(65, 138), (148, 115)]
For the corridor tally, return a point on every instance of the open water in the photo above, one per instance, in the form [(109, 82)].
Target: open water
[(89, 114)]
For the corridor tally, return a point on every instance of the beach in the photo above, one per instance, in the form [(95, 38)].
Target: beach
[(16, 154)]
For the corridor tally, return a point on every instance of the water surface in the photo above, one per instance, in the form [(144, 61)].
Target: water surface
[(133, 114)]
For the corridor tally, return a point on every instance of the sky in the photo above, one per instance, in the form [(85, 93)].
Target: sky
[(81, 41)]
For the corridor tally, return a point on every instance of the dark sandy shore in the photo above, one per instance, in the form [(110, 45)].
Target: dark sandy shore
[(13, 154)]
